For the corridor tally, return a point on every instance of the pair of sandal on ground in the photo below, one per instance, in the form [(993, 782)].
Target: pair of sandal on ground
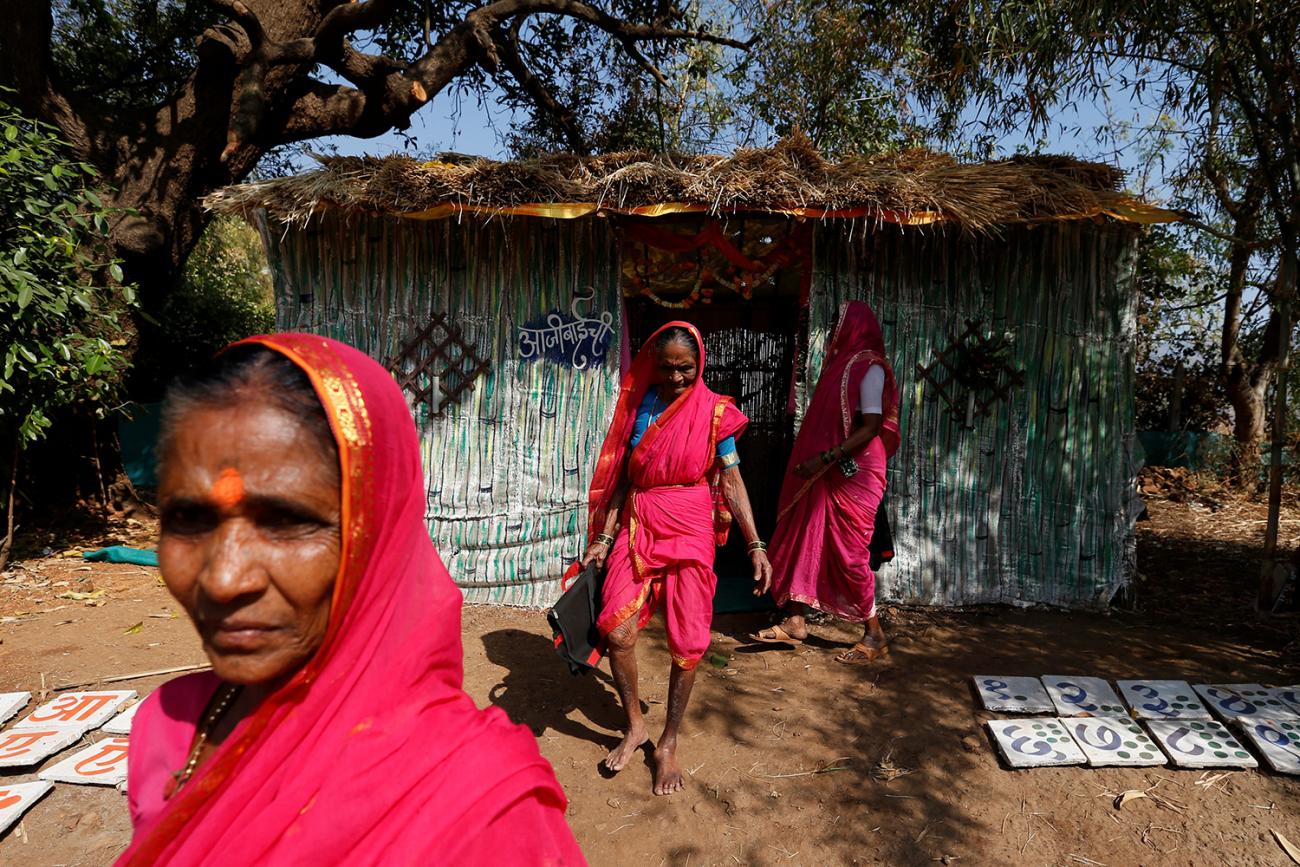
[(859, 654)]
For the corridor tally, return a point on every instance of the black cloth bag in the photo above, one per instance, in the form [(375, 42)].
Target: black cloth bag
[(573, 618), (882, 539)]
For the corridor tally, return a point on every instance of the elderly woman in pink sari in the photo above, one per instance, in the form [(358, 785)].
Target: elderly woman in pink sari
[(662, 498), (833, 486), (332, 728)]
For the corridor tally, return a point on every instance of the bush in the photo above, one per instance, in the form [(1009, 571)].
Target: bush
[(63, 306), (225, 295), (62, 302)]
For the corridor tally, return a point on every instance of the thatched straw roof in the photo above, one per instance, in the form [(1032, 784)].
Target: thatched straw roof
[(912, 187)]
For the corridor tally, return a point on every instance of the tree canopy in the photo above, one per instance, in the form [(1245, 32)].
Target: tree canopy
[(169, 100)]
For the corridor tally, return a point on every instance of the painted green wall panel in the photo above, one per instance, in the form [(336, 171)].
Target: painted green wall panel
[(1031, 506), (508, 465)]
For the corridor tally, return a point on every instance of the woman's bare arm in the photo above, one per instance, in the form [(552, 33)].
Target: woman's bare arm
[(866, 429), (733, 488), (597, 551)]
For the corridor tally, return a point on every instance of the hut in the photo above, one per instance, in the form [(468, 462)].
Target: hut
[(506, 296)]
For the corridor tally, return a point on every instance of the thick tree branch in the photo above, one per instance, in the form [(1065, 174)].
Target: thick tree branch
[(377, 103), (244, 16)]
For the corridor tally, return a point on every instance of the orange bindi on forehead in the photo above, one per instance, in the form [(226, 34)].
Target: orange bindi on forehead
[(228, 489)]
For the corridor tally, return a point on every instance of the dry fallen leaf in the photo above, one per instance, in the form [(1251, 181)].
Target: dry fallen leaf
[(79, 596), (1130, 795), (132, 630), (1291, 851)]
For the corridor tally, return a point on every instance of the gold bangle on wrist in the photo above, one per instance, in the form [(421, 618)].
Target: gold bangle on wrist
[(758, 545), (603, 539)]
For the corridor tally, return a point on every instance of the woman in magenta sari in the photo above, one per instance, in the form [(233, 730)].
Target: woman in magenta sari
[(665, 488), (332, 728), (834, 483)]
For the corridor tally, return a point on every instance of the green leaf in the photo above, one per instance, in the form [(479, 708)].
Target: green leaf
[(94, 364), (20, 256), (11, 132), (115, 271), (24, 297)]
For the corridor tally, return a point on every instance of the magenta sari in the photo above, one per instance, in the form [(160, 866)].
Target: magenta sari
[(673, 517), (820, 548), (372, 753)]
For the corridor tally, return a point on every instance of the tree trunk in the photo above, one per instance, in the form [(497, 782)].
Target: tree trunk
[(1271, 576), (11, 490), (1247, 393)]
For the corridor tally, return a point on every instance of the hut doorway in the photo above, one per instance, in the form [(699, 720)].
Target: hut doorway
[(751, 340)]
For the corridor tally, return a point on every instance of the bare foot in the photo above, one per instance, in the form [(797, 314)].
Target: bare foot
[(668, 775), (623, 753)]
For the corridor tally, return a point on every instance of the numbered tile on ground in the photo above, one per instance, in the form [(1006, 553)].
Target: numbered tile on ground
[(1013, 694), (1278, 741), (1035, 743), (1243, 701), (1080, 696), (121, 724), (22, 747), (1163, 699), (1198, 743), (1117, 741), (17, 798), (11, 703), (101, 764), (80, 710), (1290, 696)]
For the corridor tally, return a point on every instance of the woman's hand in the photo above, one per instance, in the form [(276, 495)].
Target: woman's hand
[(808, 468), (762, 571), (596, 553)]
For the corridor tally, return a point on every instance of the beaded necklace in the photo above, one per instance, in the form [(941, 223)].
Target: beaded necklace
[(219, 707)]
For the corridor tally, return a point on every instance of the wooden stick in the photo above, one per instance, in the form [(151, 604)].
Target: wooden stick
[(136, 676)]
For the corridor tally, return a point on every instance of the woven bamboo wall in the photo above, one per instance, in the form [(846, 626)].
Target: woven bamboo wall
[(1031, 505), (508, 467)]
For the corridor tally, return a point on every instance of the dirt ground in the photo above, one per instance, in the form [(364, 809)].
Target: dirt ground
[(792, 759)]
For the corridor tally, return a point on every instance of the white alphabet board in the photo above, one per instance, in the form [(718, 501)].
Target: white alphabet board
[(22, 747), (1278, 741), (1035, 743), (1163, 699), (1013, 694), (80, 710), (121, 724), (1200, 744), (17, 798), (100, 764), (1083, 696), (1290, 696), (1113, 741), (1243, 701), (11, 703)]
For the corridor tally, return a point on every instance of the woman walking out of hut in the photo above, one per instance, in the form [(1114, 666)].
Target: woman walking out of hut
[(832, 488), (662, 498)]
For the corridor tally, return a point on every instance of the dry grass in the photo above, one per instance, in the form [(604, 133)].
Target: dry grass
[(790, 175)]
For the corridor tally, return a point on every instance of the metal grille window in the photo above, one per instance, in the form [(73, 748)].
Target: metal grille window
[(438, 365)]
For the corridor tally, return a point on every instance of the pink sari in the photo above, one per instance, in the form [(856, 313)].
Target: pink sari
[(673, 517), (372, 753), (820, 548)]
